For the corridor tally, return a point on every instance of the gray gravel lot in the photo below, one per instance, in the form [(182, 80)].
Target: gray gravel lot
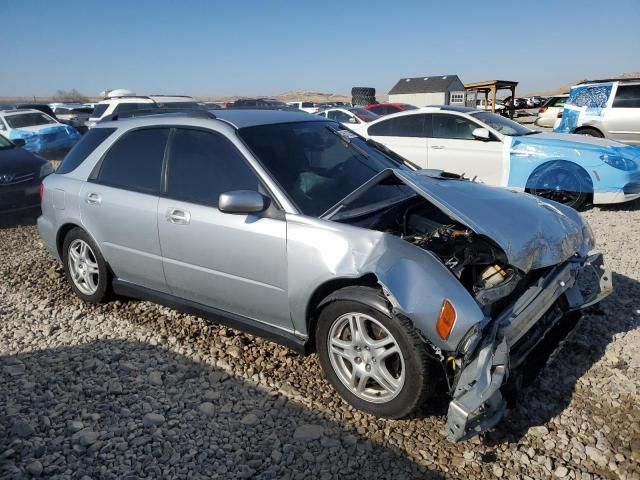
[(134, 390)]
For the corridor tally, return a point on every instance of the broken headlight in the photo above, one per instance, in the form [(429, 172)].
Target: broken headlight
[(618, 162)]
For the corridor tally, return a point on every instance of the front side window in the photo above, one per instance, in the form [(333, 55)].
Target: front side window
[(132, 107), (404, 126), (452, 126), (21, 120), (203, 165), (627, 96), (316, 163), (307, 105), (338, 116), (134, 162)]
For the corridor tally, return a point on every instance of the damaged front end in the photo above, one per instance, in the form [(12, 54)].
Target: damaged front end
[(523, 264), (507, 339)]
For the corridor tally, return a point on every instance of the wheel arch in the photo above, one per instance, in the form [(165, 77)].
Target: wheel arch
[(323, 295), (582, 128), (559, 162), (62, 233)]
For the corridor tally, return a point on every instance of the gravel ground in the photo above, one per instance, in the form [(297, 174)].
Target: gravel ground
[(134, 390)]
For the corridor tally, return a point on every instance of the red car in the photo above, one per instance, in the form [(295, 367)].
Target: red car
[(388, 108)]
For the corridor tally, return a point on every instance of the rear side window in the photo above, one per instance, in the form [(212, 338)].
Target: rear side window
[(99, 110), (81, 150), (405, 126), (627, 96), (203, 165), (131, 107), (135, 161)]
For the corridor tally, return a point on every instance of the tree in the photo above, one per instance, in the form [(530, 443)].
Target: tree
[(72, 95)]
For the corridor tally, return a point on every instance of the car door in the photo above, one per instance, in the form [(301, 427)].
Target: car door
[(453, 148), (622, 120), (119, 204), (236, 263), (406, 135)]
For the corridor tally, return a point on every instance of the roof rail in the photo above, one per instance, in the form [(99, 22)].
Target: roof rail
[(165, 95), (189, 112), (607, 80)]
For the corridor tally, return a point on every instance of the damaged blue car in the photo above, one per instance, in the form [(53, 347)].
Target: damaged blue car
[(42, 134)]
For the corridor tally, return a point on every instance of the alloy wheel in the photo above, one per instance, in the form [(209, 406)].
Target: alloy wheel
[(83, 267), (366, 357)]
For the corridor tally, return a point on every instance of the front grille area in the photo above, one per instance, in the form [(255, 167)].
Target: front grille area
[(16, 179)]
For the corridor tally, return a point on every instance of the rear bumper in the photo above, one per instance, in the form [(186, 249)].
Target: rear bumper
[(477, 403)]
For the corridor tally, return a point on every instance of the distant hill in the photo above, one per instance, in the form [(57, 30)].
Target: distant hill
[(566, 88)]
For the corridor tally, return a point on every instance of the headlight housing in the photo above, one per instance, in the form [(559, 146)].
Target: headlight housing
[(619, 162), (46, 169)]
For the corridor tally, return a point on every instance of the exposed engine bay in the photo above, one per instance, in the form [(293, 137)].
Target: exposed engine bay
[(480, 265)]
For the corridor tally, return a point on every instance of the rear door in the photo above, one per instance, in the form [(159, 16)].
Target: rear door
[(119, 206), (622, 120), (406, 135), (235, 263), (453, 148)]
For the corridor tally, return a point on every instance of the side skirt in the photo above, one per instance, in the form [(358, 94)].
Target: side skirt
[(213, 315)]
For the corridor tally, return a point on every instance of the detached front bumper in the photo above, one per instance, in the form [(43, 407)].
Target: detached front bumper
[(477, 403)]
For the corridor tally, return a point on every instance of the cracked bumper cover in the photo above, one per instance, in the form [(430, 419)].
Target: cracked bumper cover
[(477, 403)]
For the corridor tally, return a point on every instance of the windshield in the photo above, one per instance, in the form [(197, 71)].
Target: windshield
[(319, 163), (502, 124), (5, 144), (21, 120)]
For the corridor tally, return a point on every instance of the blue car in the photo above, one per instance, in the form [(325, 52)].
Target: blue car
[(570, 169), (42, 134)]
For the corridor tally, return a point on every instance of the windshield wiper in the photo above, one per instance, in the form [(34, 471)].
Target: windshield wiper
[(348, 140)]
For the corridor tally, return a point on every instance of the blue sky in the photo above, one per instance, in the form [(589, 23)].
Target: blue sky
[(244, 47)]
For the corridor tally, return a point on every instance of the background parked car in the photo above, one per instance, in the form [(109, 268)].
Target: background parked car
[(20, 175), (308, 107), (569, 169), (519, 103), (603, 108), (42, 107), (77, 117), (42, 134), (389, 108), (352, 117), (260, 104), (129, 103), (551, 110)]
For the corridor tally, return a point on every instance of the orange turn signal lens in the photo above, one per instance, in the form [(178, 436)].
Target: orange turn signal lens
[(446, 320)]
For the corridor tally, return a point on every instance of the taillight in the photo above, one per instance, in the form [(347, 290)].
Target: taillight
[(543, 109), (41, 191)]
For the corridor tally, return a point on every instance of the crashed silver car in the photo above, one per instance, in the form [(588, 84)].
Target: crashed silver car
[(290, 227)]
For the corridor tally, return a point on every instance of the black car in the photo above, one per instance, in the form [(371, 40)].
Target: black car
[(42, 107), (21, 173)]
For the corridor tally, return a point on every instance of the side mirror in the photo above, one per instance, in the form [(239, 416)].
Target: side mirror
[(242, 202), (19, 142), (481, 134)]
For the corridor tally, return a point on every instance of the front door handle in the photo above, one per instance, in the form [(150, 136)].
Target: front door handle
[(93, 199), (178, 216), (437, 147)]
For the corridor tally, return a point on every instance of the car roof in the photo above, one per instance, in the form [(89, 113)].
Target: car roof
[(20, 110), (251, 118), (234, 118)]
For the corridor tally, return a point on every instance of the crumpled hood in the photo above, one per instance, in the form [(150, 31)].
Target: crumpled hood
[(46, 137), (533, 232)]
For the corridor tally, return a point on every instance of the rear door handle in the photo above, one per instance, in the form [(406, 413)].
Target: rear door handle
[(437, 147), (178, 216), (93, 199)]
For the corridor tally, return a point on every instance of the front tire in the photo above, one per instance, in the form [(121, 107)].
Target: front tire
[(562, 182), (374, 360), (85, 267)]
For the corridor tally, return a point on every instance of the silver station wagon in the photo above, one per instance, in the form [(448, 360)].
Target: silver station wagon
[(292, 228)]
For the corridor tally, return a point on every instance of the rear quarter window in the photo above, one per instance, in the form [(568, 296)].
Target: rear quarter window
[(87, 144), (627, 96)]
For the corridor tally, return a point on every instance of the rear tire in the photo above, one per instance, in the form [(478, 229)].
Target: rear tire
[(374, 360), (590, 132), (85, 267)]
